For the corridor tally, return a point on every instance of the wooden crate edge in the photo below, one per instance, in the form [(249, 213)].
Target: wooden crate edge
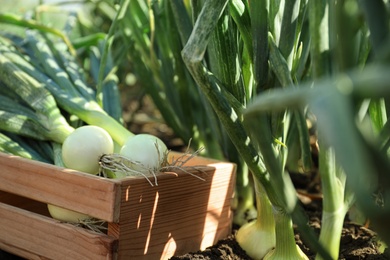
[(35, 236)]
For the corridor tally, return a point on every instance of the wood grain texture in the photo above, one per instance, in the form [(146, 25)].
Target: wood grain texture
[(34, 236), (180, 215), (92, 195)]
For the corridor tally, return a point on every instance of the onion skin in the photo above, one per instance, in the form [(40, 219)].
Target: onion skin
[(145, 149), (66, 215), (82, 149), (256, 242), (273, 255)]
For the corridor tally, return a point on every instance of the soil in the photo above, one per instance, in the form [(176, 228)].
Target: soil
[(357, 241)]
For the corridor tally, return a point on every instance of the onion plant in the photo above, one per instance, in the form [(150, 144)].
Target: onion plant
[(346, 94), (26, 148), (266, 157), (47, 68)]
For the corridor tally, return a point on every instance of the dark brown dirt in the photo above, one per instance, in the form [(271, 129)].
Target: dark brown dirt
[(357, 243)]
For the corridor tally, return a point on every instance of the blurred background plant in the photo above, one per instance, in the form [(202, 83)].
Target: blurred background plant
[(221, 73)]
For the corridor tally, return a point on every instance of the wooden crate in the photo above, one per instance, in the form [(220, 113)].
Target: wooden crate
[(180, 215)]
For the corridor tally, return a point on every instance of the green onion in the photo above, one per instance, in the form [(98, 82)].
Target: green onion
[(49, 122), (14, 145), (66, 96), (18, 21)]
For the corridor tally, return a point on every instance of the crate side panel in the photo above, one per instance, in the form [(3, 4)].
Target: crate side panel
[(92, 195), (34, 236), (179, 215)]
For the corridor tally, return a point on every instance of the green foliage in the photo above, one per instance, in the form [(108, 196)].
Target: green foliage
[(346, 93)]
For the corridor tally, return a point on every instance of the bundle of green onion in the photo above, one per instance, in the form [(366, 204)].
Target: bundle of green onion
[(49, 113)]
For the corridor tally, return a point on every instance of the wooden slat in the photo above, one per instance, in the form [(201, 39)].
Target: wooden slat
[(34, 236), (92, 195)]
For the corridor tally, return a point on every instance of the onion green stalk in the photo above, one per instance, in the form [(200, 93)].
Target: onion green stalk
[(223, 55), (18, 21), (66, 96), (16, 118), (285, 247), (107, 46), (43, 150), (337, 199), (336, 203), (53, 125), (243, 206), (111, 94), (10, 146)]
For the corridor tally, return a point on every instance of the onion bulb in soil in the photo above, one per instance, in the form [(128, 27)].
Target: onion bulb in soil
[(255, 239), (145, 153)]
